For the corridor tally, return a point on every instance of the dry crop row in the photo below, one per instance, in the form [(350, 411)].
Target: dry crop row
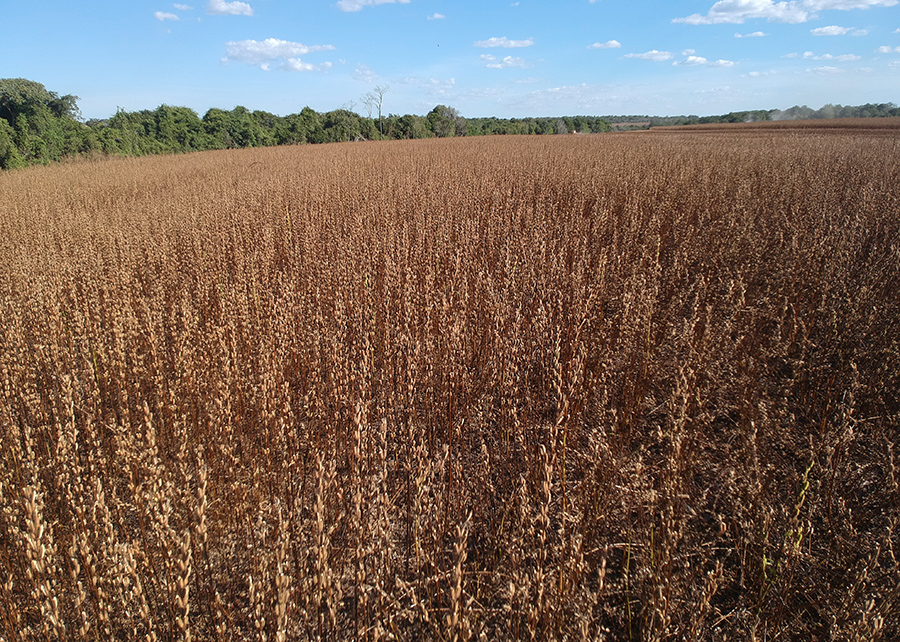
[(639, 387)]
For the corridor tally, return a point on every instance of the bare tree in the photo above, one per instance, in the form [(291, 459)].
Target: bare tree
[(378, 95), (369, 100)]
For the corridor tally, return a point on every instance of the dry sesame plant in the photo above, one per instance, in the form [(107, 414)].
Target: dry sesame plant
[(626, 387)]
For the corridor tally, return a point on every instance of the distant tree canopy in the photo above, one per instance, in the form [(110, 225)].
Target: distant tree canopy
[(797, 112), (40, 126), (20, 97)]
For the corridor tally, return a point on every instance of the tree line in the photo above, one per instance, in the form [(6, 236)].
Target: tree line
[(797, 112), (40, 126)]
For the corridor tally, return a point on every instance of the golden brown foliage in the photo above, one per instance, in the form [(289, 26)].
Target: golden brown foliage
[(634, 387)]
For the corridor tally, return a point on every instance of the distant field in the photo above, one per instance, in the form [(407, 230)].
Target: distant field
[(629, 125), (888, 126), (573, 387)]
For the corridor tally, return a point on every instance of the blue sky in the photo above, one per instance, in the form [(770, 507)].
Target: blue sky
[(483, 57)]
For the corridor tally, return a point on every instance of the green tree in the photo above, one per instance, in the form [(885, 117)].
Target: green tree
[(311, 125), (215, 123), (411, 126), (267, 125), (245, 130), (21, 97), (341, 125), (446, 122), (9, 152), (43, 123)]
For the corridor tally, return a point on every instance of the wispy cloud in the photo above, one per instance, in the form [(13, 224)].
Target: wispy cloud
[(356, 5), (183, 7), (755, 34), (691, 61), (700, 61), (832, 30), (437, 16), (503, 42), (825, 71), (739, 11), (160, 15), (585, 97), (888, 49), (792, 11), (507, 61), (222, 8), (808, 55), (365, 74), (657, 56), (839, 58), (295, 64), (262, 53), (609, 44), (438, 87)]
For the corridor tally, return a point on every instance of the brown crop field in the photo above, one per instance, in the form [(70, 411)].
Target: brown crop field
[(608, 387), (869, 126)]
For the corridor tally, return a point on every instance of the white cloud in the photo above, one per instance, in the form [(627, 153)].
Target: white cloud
[(365, 74), (222, 8), (503, 42), (755, 34), (436, 16), (738, 11), (653, 54), (887, 49), (723, 92), (183, 7), (790, 11), (696, 61), (295, 64), (609, 44), (860, 32), (840, 58), (897, 30), (759, 74), (688, 52), (356, 5), (825, 71), (691, 60), (262, 52), (437, 87), (832, 30), (846, 5), (808, 55), (508, 61), (159, 15)]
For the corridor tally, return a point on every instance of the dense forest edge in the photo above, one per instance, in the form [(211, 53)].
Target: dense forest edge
[(38, 126)]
